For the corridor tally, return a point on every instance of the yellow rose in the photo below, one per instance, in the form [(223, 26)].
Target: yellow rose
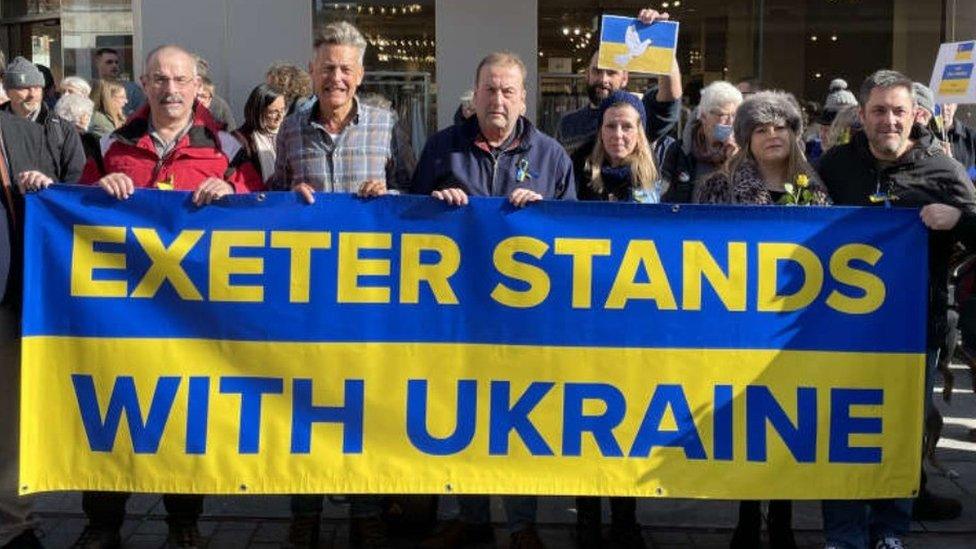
[(802, 181)]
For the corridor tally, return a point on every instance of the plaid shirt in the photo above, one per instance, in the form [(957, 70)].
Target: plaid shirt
[(371, 146)]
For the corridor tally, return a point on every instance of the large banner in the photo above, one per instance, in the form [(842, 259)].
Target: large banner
[(399, 345)]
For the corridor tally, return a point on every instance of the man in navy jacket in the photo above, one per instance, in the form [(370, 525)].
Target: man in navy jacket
[(497, 152)]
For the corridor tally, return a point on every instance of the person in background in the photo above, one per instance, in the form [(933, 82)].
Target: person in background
[(838, 97), (661, 102), (218, 106), (50, 89), (110, 100), (78, 109), (293, 81), (465, 109), (76, 85), (705, 145), (206, 95), (961, 137), (108, 66), (263, 114), (24, 84), (749, 85), (846, 124)]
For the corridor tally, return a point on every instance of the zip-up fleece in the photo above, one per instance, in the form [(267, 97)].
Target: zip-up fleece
[(458, 157)]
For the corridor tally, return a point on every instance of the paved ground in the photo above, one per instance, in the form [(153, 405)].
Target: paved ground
[(262, 521)]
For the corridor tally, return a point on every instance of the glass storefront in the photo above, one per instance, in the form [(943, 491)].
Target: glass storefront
[(64, 34), (795, 45)]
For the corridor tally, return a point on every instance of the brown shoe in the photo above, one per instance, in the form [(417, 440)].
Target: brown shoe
[(525, 539), (368, 532), (457, 533)]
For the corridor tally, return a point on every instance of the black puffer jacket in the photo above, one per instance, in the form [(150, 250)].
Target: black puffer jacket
[(923, 175)]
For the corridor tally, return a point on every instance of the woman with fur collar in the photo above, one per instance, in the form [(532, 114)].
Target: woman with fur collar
[(770, 164), (769, 168)]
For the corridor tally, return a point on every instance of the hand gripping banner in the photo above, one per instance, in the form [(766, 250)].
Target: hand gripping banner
[(399, 345)]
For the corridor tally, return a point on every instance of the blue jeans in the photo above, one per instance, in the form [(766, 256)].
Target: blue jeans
[(519, 511), (854, 524)]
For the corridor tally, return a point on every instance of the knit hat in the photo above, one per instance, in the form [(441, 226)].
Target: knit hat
[(766, 107), (837, 98), (622, 96), (924, 97), (21, 73)]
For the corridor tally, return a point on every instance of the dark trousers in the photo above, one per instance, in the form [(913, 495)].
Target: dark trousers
[(107, 509), (623, 511)]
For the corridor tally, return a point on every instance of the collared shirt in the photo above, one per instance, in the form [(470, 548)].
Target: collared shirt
[(164, 147), (370, 147)]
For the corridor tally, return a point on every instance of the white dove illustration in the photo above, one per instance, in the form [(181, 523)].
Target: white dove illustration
[(635, 48)]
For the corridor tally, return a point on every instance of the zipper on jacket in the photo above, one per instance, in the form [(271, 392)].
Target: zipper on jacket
[(494, 175)]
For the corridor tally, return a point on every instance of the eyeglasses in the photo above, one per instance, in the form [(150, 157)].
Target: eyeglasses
[(158, 81)]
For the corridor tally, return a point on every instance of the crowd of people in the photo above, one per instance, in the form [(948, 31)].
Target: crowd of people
[(888, 146)]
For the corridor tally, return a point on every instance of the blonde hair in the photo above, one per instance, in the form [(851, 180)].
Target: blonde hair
[(102, 94), (641, 161), (840, 130)]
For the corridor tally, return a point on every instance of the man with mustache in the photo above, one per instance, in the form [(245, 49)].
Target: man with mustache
[(663, 104), (896, 163), (25, 87), (171, 143)]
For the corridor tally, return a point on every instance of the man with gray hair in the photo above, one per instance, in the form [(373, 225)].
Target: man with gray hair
[(895, 163), (25, 87), (339, 143)]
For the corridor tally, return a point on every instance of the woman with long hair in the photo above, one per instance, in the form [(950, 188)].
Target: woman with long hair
[(263, 114), (619, 164), (110, 98), (769, 168)]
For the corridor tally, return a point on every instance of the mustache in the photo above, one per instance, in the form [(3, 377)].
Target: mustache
[(171, 98)]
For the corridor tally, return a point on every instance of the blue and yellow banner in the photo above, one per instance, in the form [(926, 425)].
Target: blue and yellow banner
[(628, 44), (399, 345)]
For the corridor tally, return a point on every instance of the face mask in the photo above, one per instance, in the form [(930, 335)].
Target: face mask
[(721, 133)]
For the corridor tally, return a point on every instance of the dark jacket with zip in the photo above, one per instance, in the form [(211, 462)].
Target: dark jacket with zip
[(62, 144), (458, 157), (923, 175), (25, 150)]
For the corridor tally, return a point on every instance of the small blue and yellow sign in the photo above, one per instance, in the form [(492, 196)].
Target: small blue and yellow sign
[(964, 52), (628, 44), (955, 79)]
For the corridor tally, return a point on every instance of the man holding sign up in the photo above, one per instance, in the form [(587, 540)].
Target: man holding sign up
[(663, 104)]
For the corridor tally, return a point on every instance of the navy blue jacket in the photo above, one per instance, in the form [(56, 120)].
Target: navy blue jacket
[(452, 158)]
